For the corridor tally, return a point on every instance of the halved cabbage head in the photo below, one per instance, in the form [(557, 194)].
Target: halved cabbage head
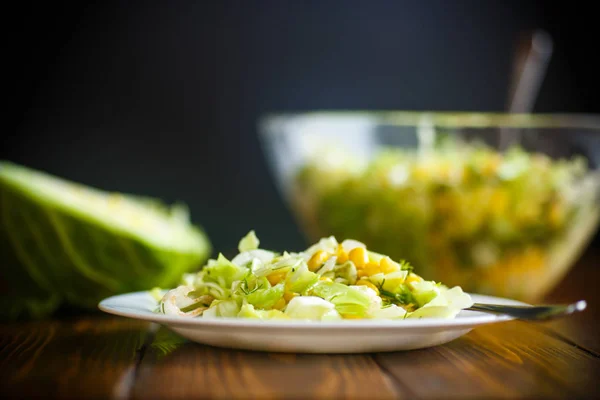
[(63, 242)]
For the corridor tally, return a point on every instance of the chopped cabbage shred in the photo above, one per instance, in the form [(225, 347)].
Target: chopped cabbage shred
[(330, 281)]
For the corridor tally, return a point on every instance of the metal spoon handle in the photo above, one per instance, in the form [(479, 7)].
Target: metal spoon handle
[(530, 64), (533, 313), (529, 69)]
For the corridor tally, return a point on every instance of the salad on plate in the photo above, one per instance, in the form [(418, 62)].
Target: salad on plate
[(329, 281)]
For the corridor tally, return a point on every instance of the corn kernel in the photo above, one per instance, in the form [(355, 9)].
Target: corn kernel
[(342, 256), (491, 166), (275, 277), (288, 296), (444, 170), (443, 203), (363, 282), (280, 304), (498, 202), (350, 316), (317, 260), (556, 215), (369, 269), (420, 172), (388, 266), (413, 278), (410, 307), (325, 279), (359, 257)]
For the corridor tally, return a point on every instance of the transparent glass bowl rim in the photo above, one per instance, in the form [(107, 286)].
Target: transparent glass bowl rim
[(446, 119)]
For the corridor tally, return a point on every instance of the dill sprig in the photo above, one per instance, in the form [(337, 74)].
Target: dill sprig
[(406, 266), (244, 287), (194, 306), (404, 297)]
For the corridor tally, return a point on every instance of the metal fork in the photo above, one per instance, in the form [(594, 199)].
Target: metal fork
[(532, 313)]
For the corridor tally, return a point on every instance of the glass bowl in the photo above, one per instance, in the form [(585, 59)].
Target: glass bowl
[(500, 204)]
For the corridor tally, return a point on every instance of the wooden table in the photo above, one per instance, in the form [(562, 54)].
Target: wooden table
[(98, 356)]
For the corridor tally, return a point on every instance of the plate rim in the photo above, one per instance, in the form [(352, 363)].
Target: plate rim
[(219, 323)]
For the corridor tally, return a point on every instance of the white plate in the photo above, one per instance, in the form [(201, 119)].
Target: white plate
[(349, 336)]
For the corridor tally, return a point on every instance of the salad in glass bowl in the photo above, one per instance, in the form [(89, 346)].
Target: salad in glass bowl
[(497, 204), (480, 218), (329, 281)]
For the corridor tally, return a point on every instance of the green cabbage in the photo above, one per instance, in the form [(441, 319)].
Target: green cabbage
[(248, 311), (312, 308), (248, 242), (266, 298), (424, 292), (301, 279), (347, 300), (223, 271), (345, 273), (222, 308), (391, 311), (447, 304), (65, 243), (394, 280)]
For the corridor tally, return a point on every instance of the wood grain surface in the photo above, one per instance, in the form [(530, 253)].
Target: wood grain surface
[(88, 357), (580, 283), (98, 356), (513, 359), (203, 371)]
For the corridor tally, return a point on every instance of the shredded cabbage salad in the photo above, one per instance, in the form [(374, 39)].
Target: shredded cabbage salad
[(329, 281)]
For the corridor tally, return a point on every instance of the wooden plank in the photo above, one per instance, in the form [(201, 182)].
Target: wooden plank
[(582, 328), (176, 369), (506, 360), (89, 357)]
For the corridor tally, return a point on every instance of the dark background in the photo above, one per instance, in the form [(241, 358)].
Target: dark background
[(162, 98)]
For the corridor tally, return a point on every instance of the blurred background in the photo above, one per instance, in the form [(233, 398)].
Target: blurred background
[(162, 99)]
